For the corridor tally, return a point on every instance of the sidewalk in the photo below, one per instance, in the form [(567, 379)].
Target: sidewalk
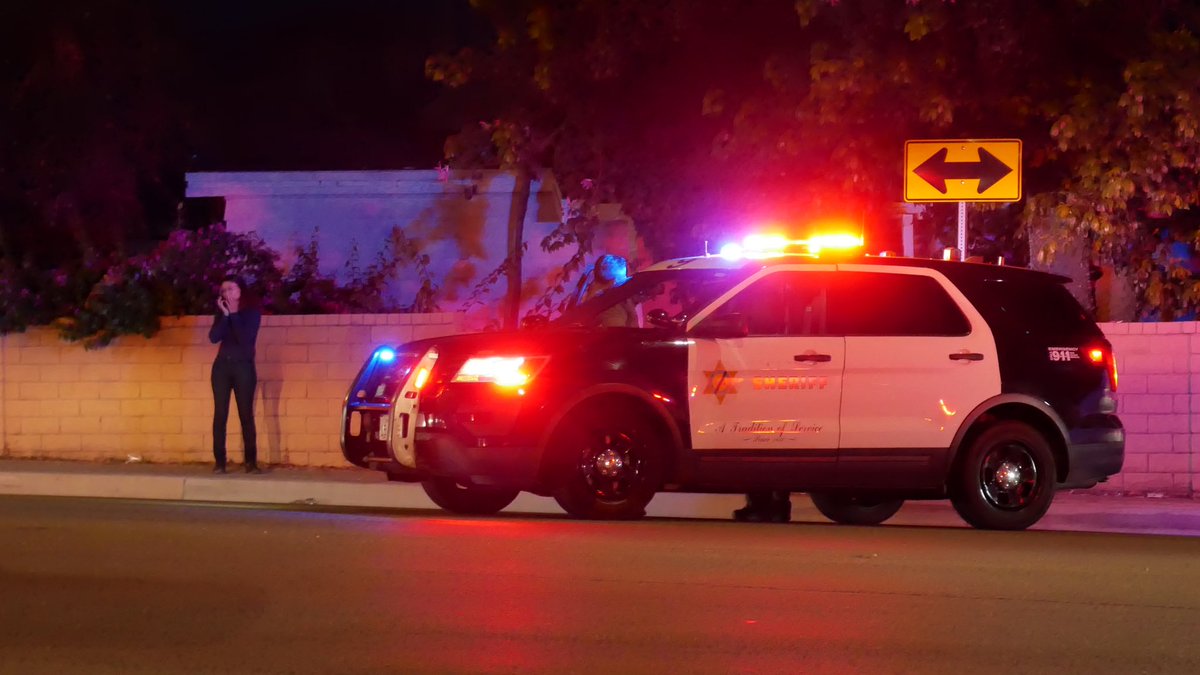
[(351, 487)]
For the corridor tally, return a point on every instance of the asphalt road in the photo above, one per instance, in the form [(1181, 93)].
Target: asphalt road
[(138, 587)]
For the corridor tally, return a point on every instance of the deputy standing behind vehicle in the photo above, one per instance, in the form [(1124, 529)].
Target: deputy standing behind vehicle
[(611, 271), (235, 327)]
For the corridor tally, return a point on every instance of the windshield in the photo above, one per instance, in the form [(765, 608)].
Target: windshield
[(658, 298)]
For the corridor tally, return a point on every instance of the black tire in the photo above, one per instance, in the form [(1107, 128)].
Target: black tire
[(1006, 479), (608, 462), (471, 500), (855, 510)]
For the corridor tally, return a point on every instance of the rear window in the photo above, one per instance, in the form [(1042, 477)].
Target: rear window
[(886, 304), (1030, 308)]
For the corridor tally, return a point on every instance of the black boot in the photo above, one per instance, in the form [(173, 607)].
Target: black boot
[(765, 507)]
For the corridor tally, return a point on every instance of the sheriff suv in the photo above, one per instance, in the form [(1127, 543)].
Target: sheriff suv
[(863, 381)]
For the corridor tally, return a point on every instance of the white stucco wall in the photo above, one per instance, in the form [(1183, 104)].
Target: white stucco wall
[(460, 218)]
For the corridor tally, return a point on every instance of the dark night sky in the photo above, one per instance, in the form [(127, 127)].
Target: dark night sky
[(307, 84), (245, 84), (107, 104)]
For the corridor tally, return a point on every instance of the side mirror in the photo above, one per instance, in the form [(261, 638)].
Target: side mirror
[(724, 327), (660, 318)]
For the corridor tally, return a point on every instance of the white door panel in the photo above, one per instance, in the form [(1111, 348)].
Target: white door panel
[(914, 391), (753, 393), (906, 392)]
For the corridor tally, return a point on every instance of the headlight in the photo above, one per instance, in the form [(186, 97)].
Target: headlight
[(505, 371)]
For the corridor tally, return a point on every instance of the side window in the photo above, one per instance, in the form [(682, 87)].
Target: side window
[(881, 303), (807, 299), (761, 303), (783, 303)]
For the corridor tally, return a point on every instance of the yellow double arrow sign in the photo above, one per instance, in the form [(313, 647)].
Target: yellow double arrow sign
[(962, 170)]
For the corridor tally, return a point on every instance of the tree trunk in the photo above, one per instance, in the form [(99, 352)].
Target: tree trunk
[(516, 246)]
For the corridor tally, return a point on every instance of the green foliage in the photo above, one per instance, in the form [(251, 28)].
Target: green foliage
[(578, 229), (304, 290), (122, 303), (990, 234), (703, 117), (30, 296), (186, 269), (181, 275)]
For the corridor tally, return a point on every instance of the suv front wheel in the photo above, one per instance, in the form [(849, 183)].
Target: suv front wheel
[(609, 462), (1006, 479)]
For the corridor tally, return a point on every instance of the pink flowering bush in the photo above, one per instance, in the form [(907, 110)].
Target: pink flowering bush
[(121, 303), (188, 267), (31, 296), (97, 301), (179, 276)]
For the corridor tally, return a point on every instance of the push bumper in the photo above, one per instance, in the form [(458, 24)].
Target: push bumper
[(442, 453)]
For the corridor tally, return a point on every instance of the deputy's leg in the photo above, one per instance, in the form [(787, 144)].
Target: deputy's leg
[(765, 506)]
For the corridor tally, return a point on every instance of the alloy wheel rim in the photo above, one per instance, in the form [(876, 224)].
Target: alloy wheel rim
[(1008, 477), (611, 465)]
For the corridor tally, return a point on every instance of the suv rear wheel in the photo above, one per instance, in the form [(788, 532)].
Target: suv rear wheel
[(609, 462), (1006, 479), (855, 510), (471, 500)]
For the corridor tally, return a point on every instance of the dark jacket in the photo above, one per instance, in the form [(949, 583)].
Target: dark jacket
[(237, 334)]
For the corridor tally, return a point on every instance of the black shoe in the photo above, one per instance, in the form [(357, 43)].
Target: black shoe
[(749, 515), (253, 468), (777, 512), (219, 468)]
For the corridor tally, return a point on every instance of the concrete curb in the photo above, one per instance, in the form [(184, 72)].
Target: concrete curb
[(233, 488), (85, 485), (360, 489), (275, 489)]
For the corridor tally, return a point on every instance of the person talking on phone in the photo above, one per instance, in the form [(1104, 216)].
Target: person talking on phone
[(235, 327)]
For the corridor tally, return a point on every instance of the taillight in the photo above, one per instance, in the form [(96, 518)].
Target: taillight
[(422, 378), (1104, 357), (1112, 371)]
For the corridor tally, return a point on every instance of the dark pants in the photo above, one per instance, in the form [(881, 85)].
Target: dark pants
[(240, 378)]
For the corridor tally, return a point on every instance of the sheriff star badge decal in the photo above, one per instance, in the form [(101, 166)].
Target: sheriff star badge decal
[(721, 382)]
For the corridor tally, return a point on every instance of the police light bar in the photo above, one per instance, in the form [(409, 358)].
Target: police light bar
[(769, 245), (839, 242)]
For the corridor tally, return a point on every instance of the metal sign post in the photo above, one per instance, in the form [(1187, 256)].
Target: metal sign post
[(962, 230), (963, 170)]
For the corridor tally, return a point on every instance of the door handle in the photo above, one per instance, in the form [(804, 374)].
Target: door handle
[(966, 356), (813, 358)]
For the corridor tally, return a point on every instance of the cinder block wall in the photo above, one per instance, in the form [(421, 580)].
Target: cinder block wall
[(1158, 399), (152, 399)]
